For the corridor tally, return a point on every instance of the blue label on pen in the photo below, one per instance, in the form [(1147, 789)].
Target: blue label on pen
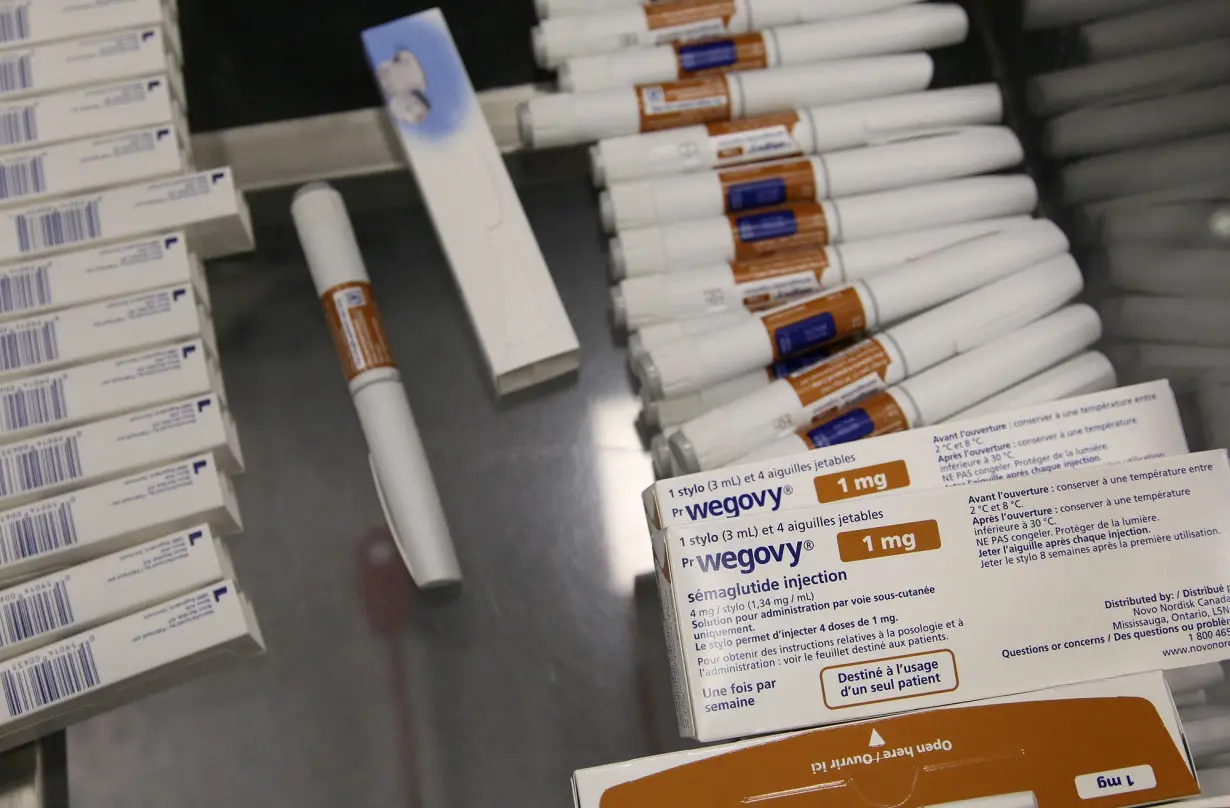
[(757, 194), (708, 55), (762, 226), (793, 364), (806, 334), (847, 428)]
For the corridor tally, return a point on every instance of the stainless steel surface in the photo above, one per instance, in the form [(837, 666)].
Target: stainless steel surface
[(373, 695), (33, 776)]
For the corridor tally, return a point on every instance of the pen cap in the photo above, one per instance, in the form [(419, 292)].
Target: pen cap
[(327, 237), (983, 315), (921, 158), (1192, 224), (1089, 372), (933, 205), (558, 38), (858, 259), (943, 275), (844, 126), (625, 68), (562, 119), (1146, 169), (691, 364), (958, 383), (1186, 273), (654, 298), (654, 336), (1158, 120), (671, 151), (1173, 25), (674, 412), (784, 88), (911, 28)]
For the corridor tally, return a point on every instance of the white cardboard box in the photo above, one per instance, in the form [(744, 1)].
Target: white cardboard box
[(29, 22), (102, 450), (123, 661), (99, 330), (1118, 741), (1115, 426), (205, 205), (98, 110), (914, 600), (64, 398), (88, 61), (91, 164), (512, 301), (70, 601), (99, 273), (76, 527)]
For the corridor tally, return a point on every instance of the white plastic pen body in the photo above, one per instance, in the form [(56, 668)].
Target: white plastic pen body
[(671, 413), (729, 432), (1173, 25), (1090, 372), (933, 396), (399, 463), (811, 322), (546, 9), (1156, 120), (647, 300), (565, 119), (793, 133), (930, 157), (560, 38), (1187, 272), (1041, 14), (912, 28), (812, 225), (1187, 321)]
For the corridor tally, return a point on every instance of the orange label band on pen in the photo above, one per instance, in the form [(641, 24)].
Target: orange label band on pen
[(848, 377), (815, 322), (354, 322), (762, 186), (725, 55), (871, 418), (796, 226), (690, 16), (764, 137), (766, 281), (683, 103)]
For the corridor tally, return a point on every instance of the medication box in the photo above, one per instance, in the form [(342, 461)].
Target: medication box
[(55, 606), (205, 205), (99, 273), (1117, 741), (847, 611), (86, 333), (1114, 426), (74, 114), (104, 389), (105, 449), (126, 660), (513, 304), (85, 524), (23, 22)]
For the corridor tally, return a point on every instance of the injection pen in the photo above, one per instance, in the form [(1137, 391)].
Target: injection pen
[(812, 225), (1090, 372), (1156, 120), (917, 159), (794, 133), (912, 28), (560, 38), (912, 347), (1171, 25), (399, 463), (936, 395), (565, 119), (697, 362), (647, 300)]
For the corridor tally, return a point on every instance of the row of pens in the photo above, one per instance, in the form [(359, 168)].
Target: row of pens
[(810, 254)]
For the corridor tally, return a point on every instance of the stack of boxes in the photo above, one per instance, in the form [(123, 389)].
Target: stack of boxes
[(116, 446)]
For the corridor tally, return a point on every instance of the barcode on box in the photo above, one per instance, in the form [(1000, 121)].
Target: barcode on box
[(38, 533), (28, 347), (15, 23), (35, 614), (37, 405), (58, 677), (70, 224), (16, 74), (23, 178), (40, 466), (26, 288), (18, 126)]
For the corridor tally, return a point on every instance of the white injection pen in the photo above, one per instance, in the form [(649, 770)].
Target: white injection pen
[(811, 225), (565, 119), (793, 133), (1188, 321), (1187, 273), (1041, 14), (928, 157), (915, 345), (1147, 169), (1090, 372), (936, 395), (547, 9), (693, 364), (560, 38), (1172, 25), (399, 464), (647, 300), (1126, 126), (912, 28)]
